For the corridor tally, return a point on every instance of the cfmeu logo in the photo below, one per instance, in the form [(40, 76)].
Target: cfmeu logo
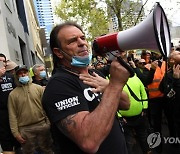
[(89, 95), (154, 139)]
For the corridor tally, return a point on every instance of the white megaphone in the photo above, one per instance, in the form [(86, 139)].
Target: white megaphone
[(151, 34)]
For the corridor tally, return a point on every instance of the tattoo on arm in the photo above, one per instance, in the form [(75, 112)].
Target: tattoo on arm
[(66, 123)]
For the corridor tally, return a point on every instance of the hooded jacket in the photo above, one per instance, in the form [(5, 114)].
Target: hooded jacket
[(24, 105)]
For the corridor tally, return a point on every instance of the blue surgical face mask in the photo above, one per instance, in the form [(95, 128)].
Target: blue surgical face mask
[(24, 79), (43, 74), (81, 61)]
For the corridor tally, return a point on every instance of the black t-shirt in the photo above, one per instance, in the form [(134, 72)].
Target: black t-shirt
[(42, 82), (6, 86), (65, 95)]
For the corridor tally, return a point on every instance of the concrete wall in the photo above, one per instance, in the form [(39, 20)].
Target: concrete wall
[(20, 40)]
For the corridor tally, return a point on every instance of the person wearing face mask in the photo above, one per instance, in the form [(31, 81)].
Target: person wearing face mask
[(8, 142), (82, 121), (28, 121), (40, 76)]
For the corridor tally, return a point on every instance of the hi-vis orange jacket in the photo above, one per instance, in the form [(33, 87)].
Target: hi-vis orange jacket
[(153, 88)]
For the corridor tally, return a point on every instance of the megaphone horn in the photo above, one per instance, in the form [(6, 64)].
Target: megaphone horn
[(151, 34)]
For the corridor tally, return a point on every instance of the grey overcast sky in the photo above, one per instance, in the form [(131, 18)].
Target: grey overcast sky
[(171, 8)]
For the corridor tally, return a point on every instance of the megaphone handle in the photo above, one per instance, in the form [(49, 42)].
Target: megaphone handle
[(124, 64)]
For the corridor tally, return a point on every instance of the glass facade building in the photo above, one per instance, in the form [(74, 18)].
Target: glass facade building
[(45, 15)]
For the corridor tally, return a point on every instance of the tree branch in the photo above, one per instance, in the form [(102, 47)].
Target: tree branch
[(140, 12)]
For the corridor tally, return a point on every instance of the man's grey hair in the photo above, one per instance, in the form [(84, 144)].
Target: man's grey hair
[(34, 68)]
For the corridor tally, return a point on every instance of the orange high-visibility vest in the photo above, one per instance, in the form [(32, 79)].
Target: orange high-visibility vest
[(153, 88)]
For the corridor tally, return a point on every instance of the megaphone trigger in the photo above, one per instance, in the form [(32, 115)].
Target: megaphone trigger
[(103, 54), (125, 65)]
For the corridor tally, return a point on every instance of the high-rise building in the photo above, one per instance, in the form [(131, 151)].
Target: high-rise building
[(45, 15)]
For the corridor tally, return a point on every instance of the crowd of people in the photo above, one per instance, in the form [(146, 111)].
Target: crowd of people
[(87, 107)]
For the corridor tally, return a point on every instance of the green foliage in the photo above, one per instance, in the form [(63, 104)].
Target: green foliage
[(126, 12), (96, 20), (86, 13)]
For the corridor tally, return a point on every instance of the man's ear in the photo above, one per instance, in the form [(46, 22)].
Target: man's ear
[(58, 53), (35, 73)]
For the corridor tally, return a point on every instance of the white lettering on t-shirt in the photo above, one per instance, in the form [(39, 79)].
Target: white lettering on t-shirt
[(6, 87), (67, 103), (87, 94)]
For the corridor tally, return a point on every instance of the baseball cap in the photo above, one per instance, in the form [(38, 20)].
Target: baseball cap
[(21, 67), (10, 65), (148, 52)]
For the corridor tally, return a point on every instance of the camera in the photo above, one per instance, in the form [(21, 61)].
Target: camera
[(130, 57)]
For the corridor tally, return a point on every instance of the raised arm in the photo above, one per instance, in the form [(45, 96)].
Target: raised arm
[(89, 129), (2, 71)]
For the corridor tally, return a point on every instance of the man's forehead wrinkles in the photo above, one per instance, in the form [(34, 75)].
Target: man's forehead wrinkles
[(74, 37)]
